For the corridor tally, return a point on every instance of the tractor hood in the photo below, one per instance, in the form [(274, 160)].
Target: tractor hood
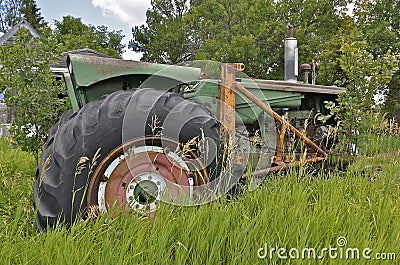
[(90, 77), (88, 70)]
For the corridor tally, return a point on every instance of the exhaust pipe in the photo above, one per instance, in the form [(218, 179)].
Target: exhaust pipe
[(291, 56)]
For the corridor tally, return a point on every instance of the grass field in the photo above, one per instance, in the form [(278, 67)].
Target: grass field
[(337, 213)]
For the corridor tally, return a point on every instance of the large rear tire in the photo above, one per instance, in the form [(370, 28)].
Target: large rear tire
[(61, 184)]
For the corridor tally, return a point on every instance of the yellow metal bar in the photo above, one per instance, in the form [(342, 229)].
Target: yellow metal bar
[(228, 101), (281, 143)]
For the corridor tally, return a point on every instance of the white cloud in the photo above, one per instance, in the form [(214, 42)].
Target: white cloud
[(131, 12)]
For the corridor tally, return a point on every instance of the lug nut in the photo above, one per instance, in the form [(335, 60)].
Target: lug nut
[(166, 150)]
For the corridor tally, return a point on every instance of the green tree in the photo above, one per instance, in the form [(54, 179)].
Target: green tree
[(364, 76), (380, 23), (209, 29), (73, 34), (330, 71), (32, 91), (31, 12), (12, 11), (392, 99), (249, 31), (229, 31), (164, 39), (9, 14)]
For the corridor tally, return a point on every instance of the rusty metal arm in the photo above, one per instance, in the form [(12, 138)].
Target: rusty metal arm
[(266, 171), (277, 117)]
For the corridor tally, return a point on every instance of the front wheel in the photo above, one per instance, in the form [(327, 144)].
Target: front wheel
[(101, 134)]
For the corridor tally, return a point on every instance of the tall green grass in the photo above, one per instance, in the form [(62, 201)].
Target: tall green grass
[(17, 170), (292, 210)]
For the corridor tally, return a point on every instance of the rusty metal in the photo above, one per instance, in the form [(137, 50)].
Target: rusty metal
[(278, 118), (130, 166), (306, 69), (227, 114), (275, 169), (277, 159), (290, 30), (238, 66)]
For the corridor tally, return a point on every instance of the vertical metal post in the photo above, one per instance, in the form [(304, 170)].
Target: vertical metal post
[(281, 143), (228, 101)]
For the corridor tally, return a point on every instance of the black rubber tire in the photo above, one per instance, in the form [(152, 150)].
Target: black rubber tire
[(58, 194), (64, 117), (50, 138)]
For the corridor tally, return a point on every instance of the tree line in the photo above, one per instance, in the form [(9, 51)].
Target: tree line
[(253, 31)]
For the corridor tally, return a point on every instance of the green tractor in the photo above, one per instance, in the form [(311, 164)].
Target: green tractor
[(140, 134)]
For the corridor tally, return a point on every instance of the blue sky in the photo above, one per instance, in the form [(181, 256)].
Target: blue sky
[(115, 14)]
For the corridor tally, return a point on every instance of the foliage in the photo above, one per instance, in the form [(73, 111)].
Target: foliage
[(329, 71), (249, 31), (380, 23), (32, 92), (392, 101), (379, 20), (164, 39), (73, 34), (12, 11), (364, 77), (225, 31), (9, 14), (30, 11)]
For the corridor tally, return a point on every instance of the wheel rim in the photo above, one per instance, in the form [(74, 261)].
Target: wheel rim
[(141, 173)]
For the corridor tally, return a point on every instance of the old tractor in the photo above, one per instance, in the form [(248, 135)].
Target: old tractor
[(140, 134)]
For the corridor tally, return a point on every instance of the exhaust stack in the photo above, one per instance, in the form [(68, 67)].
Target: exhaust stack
[(291, 56)]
